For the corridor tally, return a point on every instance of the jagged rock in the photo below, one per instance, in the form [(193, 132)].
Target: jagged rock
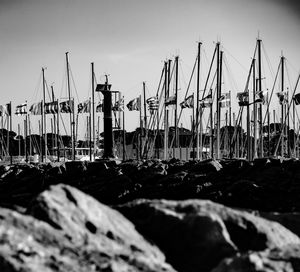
[(285, 259), (75, 168), (206, 166), (197, 234), (98, 230)]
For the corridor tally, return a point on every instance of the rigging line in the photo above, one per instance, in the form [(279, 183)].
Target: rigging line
[(227, 51), (230, 77), (73, 83), (289, 106), (187, 90), (273, 87), (268, 60), (36, 91)]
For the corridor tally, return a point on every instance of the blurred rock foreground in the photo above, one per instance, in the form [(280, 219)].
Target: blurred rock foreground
[(151, 216)]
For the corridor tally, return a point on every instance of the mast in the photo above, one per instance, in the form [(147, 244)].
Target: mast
[(175, 145), (166, 114), (25, 136), (141, 128), (124, 135), (282, 104), (261, 148), (90, 129), (10, 128), (72, 112), (219, 83), (54, 119), (145, 108), (44, 118), (57, 133), (93, 107), (254, 153), (198, 141), (211, 129)]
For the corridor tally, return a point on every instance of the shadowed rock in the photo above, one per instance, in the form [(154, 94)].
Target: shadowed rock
[(286, 259), (197, 234)]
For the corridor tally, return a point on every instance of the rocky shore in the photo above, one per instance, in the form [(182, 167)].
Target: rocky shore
[(228, 215)]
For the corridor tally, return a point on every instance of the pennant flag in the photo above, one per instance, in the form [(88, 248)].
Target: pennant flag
[(66, 106), (243, 98), (297, 99), (152, 103), (188, 102), (134, 104), (36, 108), (119, 105), (224, 100), (282, 98), (206, 101), (51, 108), (21, 109), (99, 107), (84, 107), (171, 100)]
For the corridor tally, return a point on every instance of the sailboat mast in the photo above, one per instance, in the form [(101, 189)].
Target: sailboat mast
[(261, 148), (219, 85), (254, 153), (93, 107), (166, 114), (282, 104), (44, 118), (198, 114), (218, 104), (145, 108), (175, 145), (72, 127)]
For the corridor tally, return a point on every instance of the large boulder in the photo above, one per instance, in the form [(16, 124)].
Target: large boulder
[(98, 229), (197, 234)]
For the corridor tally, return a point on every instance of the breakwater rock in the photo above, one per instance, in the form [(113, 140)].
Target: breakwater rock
[(266, 185), (64, 229)]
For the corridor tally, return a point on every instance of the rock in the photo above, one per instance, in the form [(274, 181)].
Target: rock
[(98, 229), (197, 234), (285, 259), (27, 244), (206, 166), (75, 169), (289, 220)]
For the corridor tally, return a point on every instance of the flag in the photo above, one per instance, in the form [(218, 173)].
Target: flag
[(99, 107), (171, 100), (21, 109), (282, 98), (243, 98), (152, 103), (84, 107), (36, 108), (119, 105), (66, 106), (103, 87), (297, 99), (6, 110), (262, 97), (134, 104), (188, 102), (224, 100), (51, 108), (206, 101)]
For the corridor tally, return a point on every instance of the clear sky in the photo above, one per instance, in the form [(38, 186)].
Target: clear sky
[(130, 39)]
